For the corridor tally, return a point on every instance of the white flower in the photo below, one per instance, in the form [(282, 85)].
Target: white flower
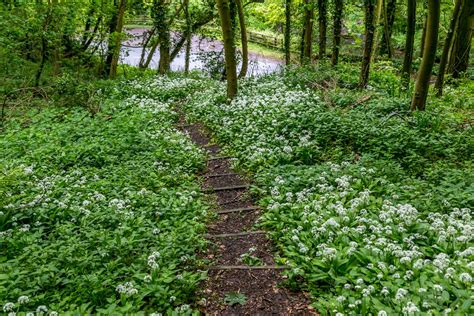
[(438, 287), (8, 307), (23, 299), (400, 294), (126, 288), (53, 313), (382, 313), (410, 308), (147, 278), (465, 277), (41, 309)]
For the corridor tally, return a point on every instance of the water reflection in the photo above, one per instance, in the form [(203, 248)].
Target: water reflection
[(132, 49)]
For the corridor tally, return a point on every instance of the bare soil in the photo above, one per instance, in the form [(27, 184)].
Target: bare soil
[(262, 288)]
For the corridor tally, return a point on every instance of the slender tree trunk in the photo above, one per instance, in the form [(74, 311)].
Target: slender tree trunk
[(423, 36), (229, 47), (322, 19), (188, 37), (111, 43), (243, 39), (44, 45), (161, 22), (429, 54), (409, 42), (287, 32), (148, 36), (377, 18), (447, 45), (302, 46), (92, 36), (338, 11), (389, 19), (118, 39), (308, 31), (369, 42), (459, 60)]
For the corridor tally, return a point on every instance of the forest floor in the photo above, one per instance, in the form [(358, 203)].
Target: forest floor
[(301, 195), (243, 278)]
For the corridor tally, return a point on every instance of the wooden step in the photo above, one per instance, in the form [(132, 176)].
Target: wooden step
[(221, 175), (253, 232), (243, 267), (219, 158), (241, 209), (233, 187)]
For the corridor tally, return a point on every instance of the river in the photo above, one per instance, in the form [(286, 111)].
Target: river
[(132, 48)]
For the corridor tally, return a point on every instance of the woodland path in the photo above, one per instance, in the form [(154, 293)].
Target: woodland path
[(233, 235)]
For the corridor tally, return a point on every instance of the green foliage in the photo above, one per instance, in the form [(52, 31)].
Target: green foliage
[(370, 204), (234, 298), (101, 213)]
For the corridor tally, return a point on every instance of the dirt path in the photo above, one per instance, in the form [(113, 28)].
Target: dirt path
[(233, 235)]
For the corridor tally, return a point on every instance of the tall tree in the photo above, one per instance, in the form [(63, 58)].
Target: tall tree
[(229, 47), (369, 42), (409, 41), (429, 54), (337, 28), (243, 39), (461, 47), (322, 19), (115, 39), (161, 22), (189, 36), (377, 22), (390, 8), (446, 48), (423, 36), (118, 39), (287, 31), (308, 30)]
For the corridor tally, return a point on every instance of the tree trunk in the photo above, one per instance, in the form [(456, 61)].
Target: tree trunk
[(409, 42), (287, 32), (44, 44), (423, 35), (188, 36), (338, 9), (389, 19), (429, 54), (148, 36), (118, 39), (243, 39), (369, 42), (459, 59), (161, 22), (229, 47), (377, 18), (308, 31), (322, 19), (446, 48)]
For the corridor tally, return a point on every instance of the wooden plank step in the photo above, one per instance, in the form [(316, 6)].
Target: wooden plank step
[(241, 209), (243, 267), (219, 158), (254, 232), (234, 187), (220, 175)]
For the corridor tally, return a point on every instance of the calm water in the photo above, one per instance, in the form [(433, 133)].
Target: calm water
[(131, 51)]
